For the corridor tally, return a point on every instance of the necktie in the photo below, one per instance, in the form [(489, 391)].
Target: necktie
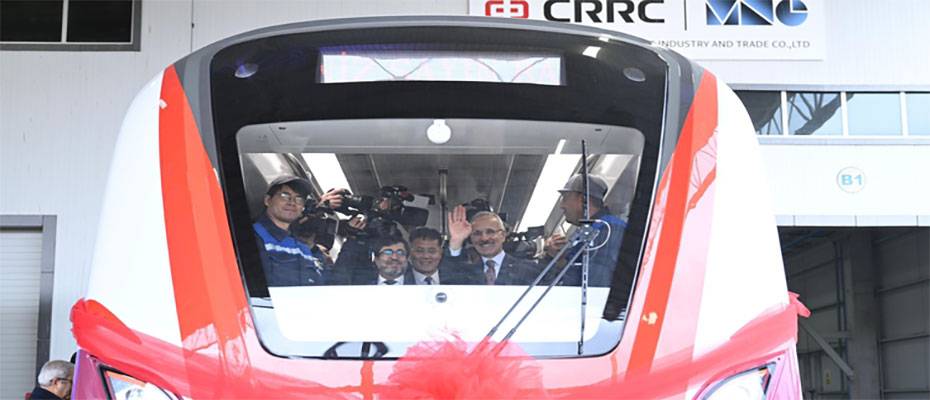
[(390, 282), (489, 274), (428, 280)]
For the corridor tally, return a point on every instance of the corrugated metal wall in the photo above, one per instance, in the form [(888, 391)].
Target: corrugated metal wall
[(903, 294), (835, 275)]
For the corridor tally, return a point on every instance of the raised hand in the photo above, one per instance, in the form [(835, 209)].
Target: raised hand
[(333, 198), (459, 228)]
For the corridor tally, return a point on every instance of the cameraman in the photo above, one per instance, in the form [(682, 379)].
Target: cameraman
[(309, 230), (285, 260), (352, 264), (374, 217)]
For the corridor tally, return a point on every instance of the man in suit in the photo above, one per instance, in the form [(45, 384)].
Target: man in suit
[(487, 234), (390, 259), (55, 381), (429, 267)]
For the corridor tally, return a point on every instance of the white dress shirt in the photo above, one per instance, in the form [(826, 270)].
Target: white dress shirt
[(421, 278), (498, 260)]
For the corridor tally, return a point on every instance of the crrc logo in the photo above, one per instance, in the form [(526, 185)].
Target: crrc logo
[(507, 8), (580, 11), (755, 12)]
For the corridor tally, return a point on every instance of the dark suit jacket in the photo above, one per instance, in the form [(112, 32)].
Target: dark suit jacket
[(408, 279), (363, 274), (39, 393), (516, 271), (513, 271), (452, 273)]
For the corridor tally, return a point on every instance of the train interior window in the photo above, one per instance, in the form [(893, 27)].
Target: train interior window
[(426, 181)]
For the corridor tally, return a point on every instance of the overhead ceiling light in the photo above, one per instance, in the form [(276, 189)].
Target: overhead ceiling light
[(591, 51), (559, 147), (439, 132), (556, 171), (326, 170)]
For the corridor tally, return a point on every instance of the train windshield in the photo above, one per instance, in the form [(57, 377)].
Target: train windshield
[(390, 190), (400, 184)]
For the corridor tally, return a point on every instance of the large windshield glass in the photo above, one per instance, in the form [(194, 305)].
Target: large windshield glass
[(393, 264), (393, 186)]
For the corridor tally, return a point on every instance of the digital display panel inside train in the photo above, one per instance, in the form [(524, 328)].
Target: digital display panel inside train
[(410, 63)]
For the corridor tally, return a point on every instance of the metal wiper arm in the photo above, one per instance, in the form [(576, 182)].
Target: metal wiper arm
[(583, 236), (586, 258)]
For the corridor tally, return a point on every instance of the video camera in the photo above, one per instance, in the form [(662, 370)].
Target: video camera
[(317, 222), (478, 205), (526, 244), (384, 213)]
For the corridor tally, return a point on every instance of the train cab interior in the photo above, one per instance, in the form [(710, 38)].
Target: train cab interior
[(512, 168)]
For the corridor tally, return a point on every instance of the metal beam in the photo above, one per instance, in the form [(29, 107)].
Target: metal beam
[(827, 348)]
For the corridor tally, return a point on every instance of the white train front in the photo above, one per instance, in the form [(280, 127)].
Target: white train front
[(488, 113)]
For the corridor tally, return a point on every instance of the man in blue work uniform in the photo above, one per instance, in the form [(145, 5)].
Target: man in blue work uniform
[(603, 259), (286, 261)]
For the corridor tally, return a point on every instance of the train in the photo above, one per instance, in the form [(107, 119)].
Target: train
[(434, 114)]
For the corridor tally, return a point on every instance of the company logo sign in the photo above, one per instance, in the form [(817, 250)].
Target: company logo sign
[(507, 8), (701, 29), (755, 12), (579, 11)]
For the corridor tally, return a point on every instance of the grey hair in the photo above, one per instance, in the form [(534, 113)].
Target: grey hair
[(488, 214), (55, 369)]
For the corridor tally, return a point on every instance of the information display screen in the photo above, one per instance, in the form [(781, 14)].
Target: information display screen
[(407, 63)]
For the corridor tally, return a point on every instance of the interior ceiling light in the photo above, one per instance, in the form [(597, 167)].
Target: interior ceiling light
[(591, 51), (439, 132), (326, 170)]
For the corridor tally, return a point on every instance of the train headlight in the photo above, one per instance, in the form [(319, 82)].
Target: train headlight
[(752, 384), (125, 387)]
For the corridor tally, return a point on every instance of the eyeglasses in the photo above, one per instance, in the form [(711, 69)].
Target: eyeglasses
[(486, 232), (391, 252), (287, 197)]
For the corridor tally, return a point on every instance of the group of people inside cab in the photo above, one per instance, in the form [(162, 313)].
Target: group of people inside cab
[(424, 258)]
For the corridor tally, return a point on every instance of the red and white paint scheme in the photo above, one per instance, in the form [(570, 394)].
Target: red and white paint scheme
[(174, 307)]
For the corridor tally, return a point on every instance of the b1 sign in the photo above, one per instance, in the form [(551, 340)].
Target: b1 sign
[(699, 29)]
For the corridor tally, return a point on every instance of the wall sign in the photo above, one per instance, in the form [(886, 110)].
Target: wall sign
[(850, 179), (699, 29)]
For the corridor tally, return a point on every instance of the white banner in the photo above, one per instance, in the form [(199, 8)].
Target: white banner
[(699, 29)]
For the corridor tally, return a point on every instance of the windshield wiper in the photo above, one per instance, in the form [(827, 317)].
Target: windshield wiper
[(581, 238)]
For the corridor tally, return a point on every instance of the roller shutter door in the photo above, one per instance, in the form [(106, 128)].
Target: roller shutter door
[(20, 274)]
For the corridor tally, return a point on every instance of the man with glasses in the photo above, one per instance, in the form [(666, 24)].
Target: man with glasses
[(487, 233), (287, 261), (390, 259), (55, 381)]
